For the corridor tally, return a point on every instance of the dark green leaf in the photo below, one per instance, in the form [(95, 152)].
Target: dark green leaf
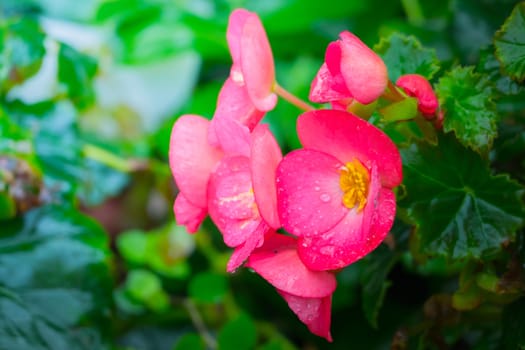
[(59, 298), (405, 55), (510, 43), (513, 322), (460, 209), (76, 72), (489, 65), (21, 50), (238, 334), (466, 99), (208, 287), (189, 341)]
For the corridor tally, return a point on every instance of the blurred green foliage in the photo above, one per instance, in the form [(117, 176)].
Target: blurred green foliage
[(90, 257)]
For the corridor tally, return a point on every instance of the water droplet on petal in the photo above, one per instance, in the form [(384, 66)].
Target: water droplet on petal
[(317, 188), (325, 197)]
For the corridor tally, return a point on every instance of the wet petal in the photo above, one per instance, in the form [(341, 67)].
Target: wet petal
[(309, 197), (188, 214)]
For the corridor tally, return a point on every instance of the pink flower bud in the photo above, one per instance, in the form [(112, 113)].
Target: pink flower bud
[(351, 70), (417, 86)]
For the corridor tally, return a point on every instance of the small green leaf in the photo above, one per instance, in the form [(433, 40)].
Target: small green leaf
[(76, 71), (510, 43), (513, 322), (146, 288), (208, 287), (405, 55), (189, 341), (238, 334), (466, 99), (21, 50), (460, 209)]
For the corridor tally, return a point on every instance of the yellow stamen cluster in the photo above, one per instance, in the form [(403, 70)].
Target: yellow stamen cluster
[(354, 182)]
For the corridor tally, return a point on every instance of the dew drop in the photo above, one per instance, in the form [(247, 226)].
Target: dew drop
[(317, 188), (325, 197)]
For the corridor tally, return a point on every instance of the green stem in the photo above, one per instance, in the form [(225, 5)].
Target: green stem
[(413, 11), (197, 321), (288, 96)]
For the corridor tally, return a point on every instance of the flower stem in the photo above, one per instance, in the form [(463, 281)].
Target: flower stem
[(413, 11), (197, 321), (288, 96), (392, 93)]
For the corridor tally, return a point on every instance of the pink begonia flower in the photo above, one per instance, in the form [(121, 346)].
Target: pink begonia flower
[(242, 199), (418, 86), (253, 66), (235, 115), (351, 70), (335, 194), (192, 159), (308, 293)]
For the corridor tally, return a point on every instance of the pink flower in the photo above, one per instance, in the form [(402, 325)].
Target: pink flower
[(351, 70), (192, 159), (253, 66), (242, 197), (308, 293), (417, 86), (335, 194)]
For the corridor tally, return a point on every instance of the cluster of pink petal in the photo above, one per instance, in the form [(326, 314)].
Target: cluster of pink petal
[(232, 169)]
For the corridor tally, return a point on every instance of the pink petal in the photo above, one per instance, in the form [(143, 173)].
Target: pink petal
[(191, 158), (257, 64), (364, 72), (265, 156), (309, 197), (243, 251), (188, 214), (417, 86), (322, 90), (345, 137), (315, 313), (231, 201), (278, 263), (234, 31), (353, 237)]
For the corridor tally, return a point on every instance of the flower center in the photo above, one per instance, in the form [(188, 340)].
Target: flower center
[(354, 182)]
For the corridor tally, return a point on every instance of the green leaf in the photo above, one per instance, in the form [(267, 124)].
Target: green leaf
[(375, 283), (189, 341), (489, 65), (208, 287), (376, 267), (513, 324), (76, 71), (59, 298), (405, 55), (460, 209), (239, 334), (21, 50), (510, 43), (466, 99), (146, 288)]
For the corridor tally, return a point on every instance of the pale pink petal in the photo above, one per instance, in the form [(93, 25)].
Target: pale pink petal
[(321, 89), (233, 137), (234, 31), (191, 158), (315, 313), (347, 137), (243, 251), (417, 86), (257, 64), (265, 156), (278, 263), (231, 203), (188, 214), (309, 197), (234, 102), (364, 72), (353, 237)]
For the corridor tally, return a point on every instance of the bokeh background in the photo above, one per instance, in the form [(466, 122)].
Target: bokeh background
[(90, 257)]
